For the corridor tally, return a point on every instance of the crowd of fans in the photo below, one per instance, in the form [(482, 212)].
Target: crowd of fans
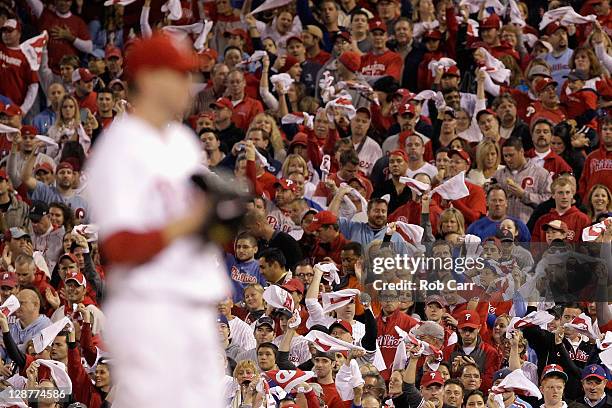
[(365, 130)]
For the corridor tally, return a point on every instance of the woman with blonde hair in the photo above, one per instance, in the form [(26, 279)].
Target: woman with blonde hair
[(268, 124), (296, 163), (68, 127), (246, 377), (488, 158), (599, 201), (602, 45), (451, 225)]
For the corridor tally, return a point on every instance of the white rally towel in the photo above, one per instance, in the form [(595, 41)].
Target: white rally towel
[(474, 5), (33, 49), (495, 68), (592, 232), (298, 118), (270, 4), (411, 231), (539, 318), (287, 379), (515, 14), (201, 40), (89, 231), (345, 104), (424, 27), (347, 378), (606, 357), (47, 140), (181, 32), (118, 2), (330, 272), (442, 62), (257, 56), (325, 166), (583, 325), (278, 298), (415, 185), (284, 79), (41, 263), (606, 343), (325, 343), (10, 306), (516, 381), (453, 188), (334, 300), (59, 374), (174, 8), (47, 335), (565, 16), (427, 95), (423, 349), (7, 129), (326, 85)]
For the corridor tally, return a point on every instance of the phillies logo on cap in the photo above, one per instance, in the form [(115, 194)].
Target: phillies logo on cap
[(467, 316), (593, 369), (5, 276)]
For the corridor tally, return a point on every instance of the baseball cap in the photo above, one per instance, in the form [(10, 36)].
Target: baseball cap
[(44, 166), (28, 130), (299, 138), (429, 328), (285, 184), (294, 37), (210, 53), (494, 240), (12, 110), (322, 218), (12, 24), (112, 52), (554, 26), (451, 71), (576, 74), (38, 210), (399, 152), (119, 82), (343, 324), (433, 34), (594, 370), (17, 233), (492, 21), (557, 225), (222, 103), (3, 175), (406, 108), (488, 111), (68, 255), (377, 24), (342, 34), (294, 285), (159, 51), (265, 321), (436, 299), (365, 110), (82, 74), (78, 277), (351, 60), (432, 377), (539, 70), (504, 235), (543, 83), (553, 370), (326, 354), (501, 374), (314, 31), (461, 153), (468, 318), (8, 279), (65, 165), (221, 319), (290, 61)]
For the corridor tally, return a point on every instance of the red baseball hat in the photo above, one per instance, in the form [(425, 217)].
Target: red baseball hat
[(553, 370), (488, 111), (431, 377), (451, 71), (112, 52), (554, 26), (377, 24), (8, 279), (351, 60), (543, 83), (290, 61), (300, 138), (468, 318), (399, 152), (44, 166), (461, 153), (3, 175), (492, 21), (28, 130), (322, 218), (433, 34), (82, 74), (294, 285), (12, 110), (78, 277), (406, 108), (286, 184), (222, 103), (64, 165), (294, 37), (159, 51), (69, 256), (208, 53), (343, 324)]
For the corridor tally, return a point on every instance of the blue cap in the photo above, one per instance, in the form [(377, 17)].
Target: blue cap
[(594, 370), (222, 320), (501, 374)]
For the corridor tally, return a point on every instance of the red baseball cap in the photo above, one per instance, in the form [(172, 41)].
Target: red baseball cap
[(544, 83), (399, 152), (433, 34), (8, 279), (322, 218), (351, 60), (112, 52), (208, 53), (290, 61), (294, 285), (492, 21), (159, 51), (69, 256), (294, 37), (286, 184), (461, 153), (406, 108), (82, 74), (300, 138), (12, 110), (377, 24), (28, 130), (78, 277), (64, 165), (431, 377), (343, 324), (3, 175), (451, 71), (468, 318), (222, 103), (43, 166), (554, 26), (488, 111), (553, 369)]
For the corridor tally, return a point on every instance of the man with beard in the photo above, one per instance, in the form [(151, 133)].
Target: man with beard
[(510, 125), (558, 59), (597, 168), (312, 37), (105, 102), (542, 155), (563, 193), (399, 193)]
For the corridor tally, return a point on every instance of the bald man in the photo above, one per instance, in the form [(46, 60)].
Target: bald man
[(29, 320)]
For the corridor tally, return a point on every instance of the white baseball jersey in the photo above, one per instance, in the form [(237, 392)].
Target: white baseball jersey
[(368, 153), (139, 180), (241, 334)]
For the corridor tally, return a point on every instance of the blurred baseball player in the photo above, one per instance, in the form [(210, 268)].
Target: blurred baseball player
[(165, 281)]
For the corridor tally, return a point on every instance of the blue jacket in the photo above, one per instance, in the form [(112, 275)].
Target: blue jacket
[(486, 227)]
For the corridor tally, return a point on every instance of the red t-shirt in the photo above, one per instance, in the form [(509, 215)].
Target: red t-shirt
[(245, 112), (577, 103), (15, 73), (59, 48), (331, 396), (321, 58), (89, 102), (387, 63)]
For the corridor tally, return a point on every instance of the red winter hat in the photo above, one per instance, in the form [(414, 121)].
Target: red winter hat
[(159, 51), (468, 318), (377, 24), (351, 60), (343, 324), (322, 218), (492, 21)]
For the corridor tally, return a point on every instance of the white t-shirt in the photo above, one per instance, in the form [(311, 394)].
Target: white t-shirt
[(426, 168)]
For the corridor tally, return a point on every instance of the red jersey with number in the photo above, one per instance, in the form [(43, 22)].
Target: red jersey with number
[(16, 74), (387, 63), (59, 48)]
